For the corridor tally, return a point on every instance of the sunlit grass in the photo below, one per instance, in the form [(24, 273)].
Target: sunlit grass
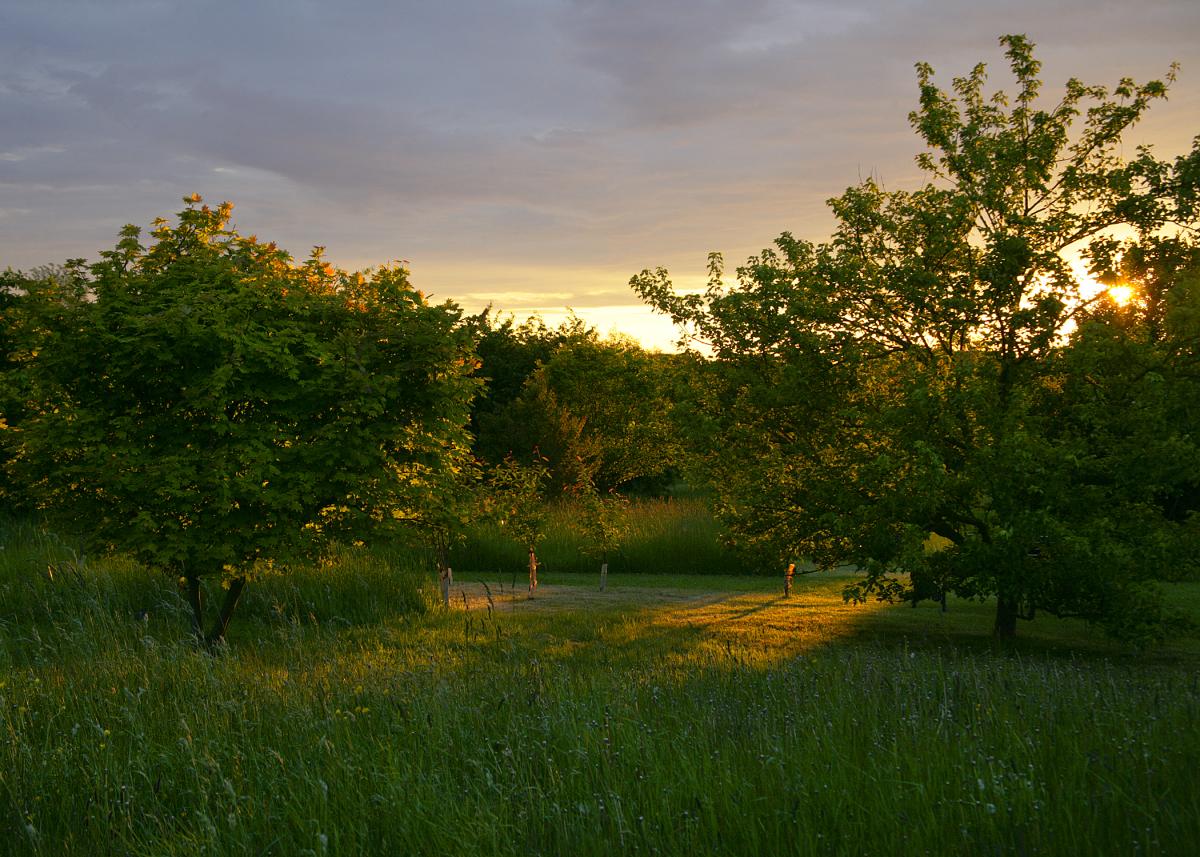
[(663, 716)]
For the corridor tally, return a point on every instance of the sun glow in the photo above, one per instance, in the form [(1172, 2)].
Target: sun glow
[(1120, 295)]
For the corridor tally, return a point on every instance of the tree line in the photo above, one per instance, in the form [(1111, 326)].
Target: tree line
[(929, 395)]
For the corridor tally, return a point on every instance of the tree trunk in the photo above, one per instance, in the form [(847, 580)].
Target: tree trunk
[(1006, 617), (533, 566), (445, 575), (195, 599), (787, 579), (232, 594), (603, 576)]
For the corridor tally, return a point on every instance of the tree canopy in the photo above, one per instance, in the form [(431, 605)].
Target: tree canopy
[(895, 397), (591, 408), (213, 409)]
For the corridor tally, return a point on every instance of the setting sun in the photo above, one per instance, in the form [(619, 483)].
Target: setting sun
[(1120, 295)]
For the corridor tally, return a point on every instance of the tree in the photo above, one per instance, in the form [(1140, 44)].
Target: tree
[(1131, 389), (902, 379), (216, 411), (450, 498), (622, 394), (603, 521), (537, 428), (18, 341), (509, 354), (12, 288), (517, 498), (595, 408)]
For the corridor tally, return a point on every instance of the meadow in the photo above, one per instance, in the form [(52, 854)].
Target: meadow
[(674, 713)]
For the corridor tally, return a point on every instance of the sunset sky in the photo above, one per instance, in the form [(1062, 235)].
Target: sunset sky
[(533, 154)]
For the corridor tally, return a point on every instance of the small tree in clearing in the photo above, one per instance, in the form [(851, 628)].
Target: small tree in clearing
[(602, 520), (518, 503), (451, 500)]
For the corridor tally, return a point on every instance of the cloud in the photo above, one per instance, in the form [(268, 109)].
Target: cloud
[(531, 137)]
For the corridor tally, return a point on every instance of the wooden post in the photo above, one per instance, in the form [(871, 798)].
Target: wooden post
[(447, 577), (787, 579), (533, 567), (603, 576)]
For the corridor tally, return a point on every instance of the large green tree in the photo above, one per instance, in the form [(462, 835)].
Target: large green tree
[(905, 379), (215, 410)]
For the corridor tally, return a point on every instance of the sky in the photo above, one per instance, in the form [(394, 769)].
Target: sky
[(530, 154)]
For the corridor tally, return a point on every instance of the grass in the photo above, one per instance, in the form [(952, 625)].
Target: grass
[(677, 536), (669, 715)]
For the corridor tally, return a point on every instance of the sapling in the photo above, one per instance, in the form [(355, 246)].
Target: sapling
[(602, 519), (517, 499)]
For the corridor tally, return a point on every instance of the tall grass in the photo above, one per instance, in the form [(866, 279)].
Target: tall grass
[(675, 536), (390, 728)]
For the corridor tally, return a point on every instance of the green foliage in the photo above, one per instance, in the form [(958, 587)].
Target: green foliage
[(594, 409), (622, 394), (12, 289), (906, 378), (517, 497), (1131, 398), (541, 429), (209, 408), (508, 355), (602, 519)]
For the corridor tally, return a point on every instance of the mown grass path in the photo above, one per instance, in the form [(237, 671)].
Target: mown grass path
[(752, 612)]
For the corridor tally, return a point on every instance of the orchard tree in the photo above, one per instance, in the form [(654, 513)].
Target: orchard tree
[(217, 411), (905, 378), (450, 499), (517, 497), (603, 520)]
